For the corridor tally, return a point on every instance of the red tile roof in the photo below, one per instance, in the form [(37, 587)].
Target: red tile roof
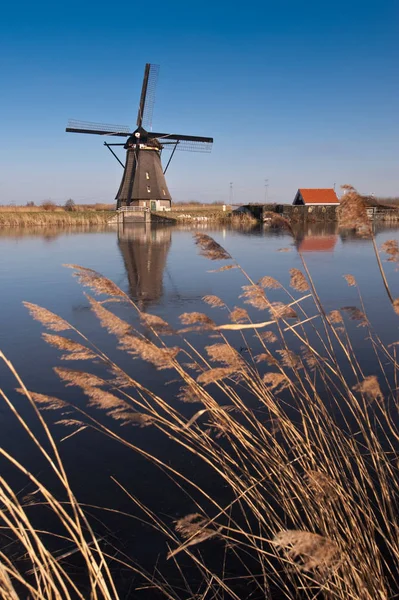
[(319, 196)]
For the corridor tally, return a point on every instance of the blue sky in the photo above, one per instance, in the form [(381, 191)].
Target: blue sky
[(302, 93)]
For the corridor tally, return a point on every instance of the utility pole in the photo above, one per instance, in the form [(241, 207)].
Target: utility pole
[(266, 189), (231, 193)]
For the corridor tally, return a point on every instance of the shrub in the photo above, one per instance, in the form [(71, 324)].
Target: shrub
[(48, 205), (70, 205)]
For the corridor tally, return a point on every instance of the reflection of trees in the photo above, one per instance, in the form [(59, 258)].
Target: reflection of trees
[(316, 237), (144, 249), (350, 235)]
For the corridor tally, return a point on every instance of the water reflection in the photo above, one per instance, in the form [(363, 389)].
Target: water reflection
[(317, 237), (50, 233), (144, 248)]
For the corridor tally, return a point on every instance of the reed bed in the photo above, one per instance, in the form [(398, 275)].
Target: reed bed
[(40, 218), (199, 206), (303, 439), (50, 206)]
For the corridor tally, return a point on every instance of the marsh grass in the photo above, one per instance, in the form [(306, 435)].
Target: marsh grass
[(39, 218), (303, 440)]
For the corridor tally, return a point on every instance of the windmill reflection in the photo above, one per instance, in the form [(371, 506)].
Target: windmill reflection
[(317, 237), (144, 249)]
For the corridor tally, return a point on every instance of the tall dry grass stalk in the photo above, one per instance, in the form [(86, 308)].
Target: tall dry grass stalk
[(302, 440)]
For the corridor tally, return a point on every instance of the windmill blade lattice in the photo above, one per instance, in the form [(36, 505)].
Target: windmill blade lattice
[(188, 143), (147, 99), (75, 126)]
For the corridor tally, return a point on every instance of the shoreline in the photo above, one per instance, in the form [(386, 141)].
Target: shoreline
[(20, 219), (24, 219)]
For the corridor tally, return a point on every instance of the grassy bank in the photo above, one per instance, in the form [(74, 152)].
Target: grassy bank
[(37, 218), (297, 433)]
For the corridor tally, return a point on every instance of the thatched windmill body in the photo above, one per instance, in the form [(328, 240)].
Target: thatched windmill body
[(143, 181)]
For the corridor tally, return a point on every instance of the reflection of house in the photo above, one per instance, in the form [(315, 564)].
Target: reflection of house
[(315, 197), (316, 237), (318, 243), (144, 250)]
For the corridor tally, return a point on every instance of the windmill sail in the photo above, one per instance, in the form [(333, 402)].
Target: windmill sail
[(75, 126), (147, 98), (192, 143)]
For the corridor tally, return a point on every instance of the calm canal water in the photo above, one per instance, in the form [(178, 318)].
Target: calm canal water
[(163, 272)]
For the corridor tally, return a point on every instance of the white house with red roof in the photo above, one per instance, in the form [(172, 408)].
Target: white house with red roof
[(316, 197)]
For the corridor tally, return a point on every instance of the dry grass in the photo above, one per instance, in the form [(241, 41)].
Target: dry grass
[(33, 208), (24, 209), (58, 218), (307, 461)]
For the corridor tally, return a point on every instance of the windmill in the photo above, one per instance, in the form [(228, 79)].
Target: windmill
[(143, 181)]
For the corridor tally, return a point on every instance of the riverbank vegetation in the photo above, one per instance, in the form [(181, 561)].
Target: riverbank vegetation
[(57, 218), (299, 435), (50, 214)]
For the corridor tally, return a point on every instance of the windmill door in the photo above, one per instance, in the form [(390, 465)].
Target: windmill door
[(153, 205)]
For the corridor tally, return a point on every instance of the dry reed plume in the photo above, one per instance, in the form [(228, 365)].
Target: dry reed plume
[(298, 281), (313, 551), (352, 212)]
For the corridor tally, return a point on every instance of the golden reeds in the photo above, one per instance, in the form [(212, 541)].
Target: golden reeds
[(197, 318), (279, 310), (156, 323), (210, 248), (161, 358), (72, 350), (268, 336), (225, 354), (214, 301), (255, 296), (355, 314), (269, 282), (26, 218), (47, 318), (95, 281), (213, 375), (303, 448), (239, 315), (298, 280), (391, 247), (370, 388), (350, 280)]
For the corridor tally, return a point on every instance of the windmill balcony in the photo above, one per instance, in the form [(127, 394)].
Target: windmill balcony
[(133, 214), (133, 209)]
